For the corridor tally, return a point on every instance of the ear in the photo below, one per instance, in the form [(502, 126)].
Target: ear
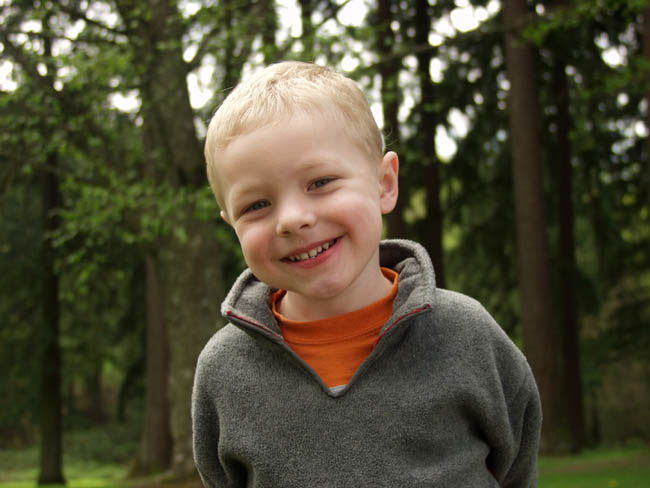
[(388, 182), (224, 216)]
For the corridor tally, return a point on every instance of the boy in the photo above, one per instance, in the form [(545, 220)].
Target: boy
[(342, 364)]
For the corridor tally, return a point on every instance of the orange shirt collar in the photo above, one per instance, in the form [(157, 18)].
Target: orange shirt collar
[(339, 327)]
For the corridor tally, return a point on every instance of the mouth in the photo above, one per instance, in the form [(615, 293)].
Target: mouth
[(312, 253)]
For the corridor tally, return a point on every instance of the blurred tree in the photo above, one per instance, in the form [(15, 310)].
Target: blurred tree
[(535, 281), (51, 451), (425, 139), (645, 36), (571, 377), (156, 448), (562, 49), (189, 269), (389, 68)]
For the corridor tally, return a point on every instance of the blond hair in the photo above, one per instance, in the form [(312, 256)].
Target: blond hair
[(282, 90)]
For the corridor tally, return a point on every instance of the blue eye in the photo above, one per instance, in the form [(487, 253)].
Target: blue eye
[(321, 182), (257, 206)]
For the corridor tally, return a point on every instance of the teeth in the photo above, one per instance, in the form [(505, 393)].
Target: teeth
[(312, 253)]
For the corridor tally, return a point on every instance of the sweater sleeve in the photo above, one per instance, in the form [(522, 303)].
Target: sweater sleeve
[(205, 428), (525, 415)]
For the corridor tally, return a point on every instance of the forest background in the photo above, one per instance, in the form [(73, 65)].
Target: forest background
[(522, 128)]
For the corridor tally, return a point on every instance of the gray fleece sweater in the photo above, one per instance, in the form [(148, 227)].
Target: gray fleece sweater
[(444, 400)]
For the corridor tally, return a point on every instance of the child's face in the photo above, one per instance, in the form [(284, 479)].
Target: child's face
[(306, 203)]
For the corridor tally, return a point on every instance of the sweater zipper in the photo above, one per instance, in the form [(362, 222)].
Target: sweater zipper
[(256, 326), (415, 311), (270, 334), (273, 336)]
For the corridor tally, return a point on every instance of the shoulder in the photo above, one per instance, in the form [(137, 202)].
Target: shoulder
[(462, 314), (466, 323), (222, 350)]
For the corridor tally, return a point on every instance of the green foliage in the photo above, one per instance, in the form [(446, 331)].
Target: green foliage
[(580, 12), (20, 291)]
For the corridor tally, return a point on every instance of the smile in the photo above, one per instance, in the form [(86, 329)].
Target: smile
[(312, 253)]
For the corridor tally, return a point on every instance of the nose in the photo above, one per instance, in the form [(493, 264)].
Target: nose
[(294, 216)]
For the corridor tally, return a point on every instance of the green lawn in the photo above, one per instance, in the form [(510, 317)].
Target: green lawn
[(623, 468), (18, 470), (626, 468)]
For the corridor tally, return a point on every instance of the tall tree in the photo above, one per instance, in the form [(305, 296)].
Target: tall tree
[(426, 139), (189, 267), (156, 442), (51, 449), (534, 274), (571, 376), (389, 68), (646, 53), (308, 36)]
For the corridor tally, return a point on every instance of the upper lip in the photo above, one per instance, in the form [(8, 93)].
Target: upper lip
[(308, 248)]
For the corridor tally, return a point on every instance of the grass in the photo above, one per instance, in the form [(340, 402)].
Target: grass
[(18, 469), (95, 461), (93, 458), (621, 468)]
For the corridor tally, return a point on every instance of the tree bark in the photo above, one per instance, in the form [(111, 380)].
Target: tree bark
[(268, 27), (390, 97), (189, 272), (645, 35), (534, 275), (51, 422), (51, 452), (94, 404), (193, 293), (574, 408), (156, 444), (426, 132)]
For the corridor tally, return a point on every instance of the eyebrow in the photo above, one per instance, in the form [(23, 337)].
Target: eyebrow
[(314, 164), (241, 192)]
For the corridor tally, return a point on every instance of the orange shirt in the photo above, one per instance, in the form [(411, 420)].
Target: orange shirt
[(336, 346)]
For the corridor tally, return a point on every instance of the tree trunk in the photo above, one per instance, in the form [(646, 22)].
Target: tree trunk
[(574, 409), (127, 387), (94, 405), (308, 36), (534, 276), (426, 131), (156, 443), (268, 27), (51, 422), (645, 35), (51, 452), (189, 268), (390, 97), (193, 293)]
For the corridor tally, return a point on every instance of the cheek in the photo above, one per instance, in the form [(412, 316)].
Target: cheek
[(359, 211), (253, 242)]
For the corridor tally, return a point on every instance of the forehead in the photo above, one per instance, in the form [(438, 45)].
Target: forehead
[(292, 146)]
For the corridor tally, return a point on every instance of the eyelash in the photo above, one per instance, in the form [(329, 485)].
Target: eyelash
[(324, 182), (256, 206), (259, 205)]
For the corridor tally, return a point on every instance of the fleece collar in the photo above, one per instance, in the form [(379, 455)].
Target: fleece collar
[(249, 299)]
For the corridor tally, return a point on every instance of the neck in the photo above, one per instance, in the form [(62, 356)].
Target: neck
[(295, 306)]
